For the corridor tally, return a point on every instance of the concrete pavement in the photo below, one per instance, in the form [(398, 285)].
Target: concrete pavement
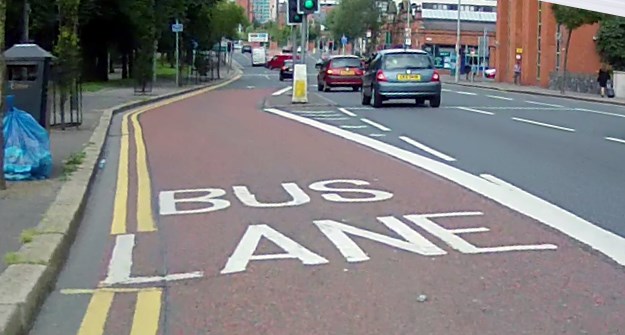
[(241, 217)]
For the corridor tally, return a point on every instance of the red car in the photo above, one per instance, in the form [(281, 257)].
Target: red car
[(277, 61), (340, 71)]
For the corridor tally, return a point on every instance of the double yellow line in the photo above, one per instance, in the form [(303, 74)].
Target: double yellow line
[(144, 216), (146, 316)]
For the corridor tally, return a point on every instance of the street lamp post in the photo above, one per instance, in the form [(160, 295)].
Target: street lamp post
[(457, 78)]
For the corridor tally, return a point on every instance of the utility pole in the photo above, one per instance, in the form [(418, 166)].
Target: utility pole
[(26, 22), (409, 28), (457, 79)]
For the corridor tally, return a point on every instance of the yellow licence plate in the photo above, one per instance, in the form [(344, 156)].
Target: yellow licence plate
[(409, 77), (347, 73)]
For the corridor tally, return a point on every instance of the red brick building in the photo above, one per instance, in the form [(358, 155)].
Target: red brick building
[(527, 29)]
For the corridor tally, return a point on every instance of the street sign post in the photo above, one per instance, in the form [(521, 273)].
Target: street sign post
[(177, 28)]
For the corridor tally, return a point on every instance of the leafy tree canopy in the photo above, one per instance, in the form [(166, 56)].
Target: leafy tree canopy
[(610, 42)]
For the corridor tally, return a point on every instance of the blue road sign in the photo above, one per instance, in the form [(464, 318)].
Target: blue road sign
[(343, 40), (177, 27)]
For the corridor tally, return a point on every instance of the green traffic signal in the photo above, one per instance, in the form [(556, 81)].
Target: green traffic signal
[(309, 4)]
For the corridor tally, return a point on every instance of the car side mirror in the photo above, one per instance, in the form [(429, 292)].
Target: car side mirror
[(318, 65)]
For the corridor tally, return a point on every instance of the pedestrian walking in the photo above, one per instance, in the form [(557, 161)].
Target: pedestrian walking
[(603, 78), (517, 73)]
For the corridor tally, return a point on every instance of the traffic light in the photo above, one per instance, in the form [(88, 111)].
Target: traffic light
[(293, 16), (308, 6)]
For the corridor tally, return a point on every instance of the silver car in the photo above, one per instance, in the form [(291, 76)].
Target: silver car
[(401, 74)]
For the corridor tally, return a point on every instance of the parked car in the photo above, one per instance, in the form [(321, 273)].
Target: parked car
[(287, 70), (401, 74), (339, 71), (246, 49), (277, 61)]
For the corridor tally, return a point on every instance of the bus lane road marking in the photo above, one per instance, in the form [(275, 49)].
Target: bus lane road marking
[(599, 239)]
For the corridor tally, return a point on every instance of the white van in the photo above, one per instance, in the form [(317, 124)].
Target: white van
[(259, 56)]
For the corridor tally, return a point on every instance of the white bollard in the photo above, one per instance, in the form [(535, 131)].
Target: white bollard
[(300, 84)]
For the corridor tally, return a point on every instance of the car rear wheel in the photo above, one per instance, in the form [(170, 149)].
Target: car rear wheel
[(435, 101), (419, 101), (376, 101), (356, 88), (365, 100), (319, 86), (281, 77)]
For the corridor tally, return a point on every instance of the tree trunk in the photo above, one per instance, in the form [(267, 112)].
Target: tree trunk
[(3, 6), (566, 60), (125, 65)]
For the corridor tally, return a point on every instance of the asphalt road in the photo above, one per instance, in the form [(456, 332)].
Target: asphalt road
[(218, 214), (568, 152)]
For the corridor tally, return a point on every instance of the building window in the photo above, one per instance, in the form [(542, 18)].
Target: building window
[(558, 46), (539, 39)]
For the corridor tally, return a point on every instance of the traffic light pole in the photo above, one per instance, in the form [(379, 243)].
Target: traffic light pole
[(304, 39)]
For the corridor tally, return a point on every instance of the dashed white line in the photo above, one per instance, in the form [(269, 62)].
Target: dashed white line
[(377, 135), (614, 139), (476, 110), (427, 149), (599, 112), (331, 118), (465, 93), (346, 112), (543, 124), (353, 127), (499, 97), (543, 104), (280, 92), (446, 90), (374, 124)]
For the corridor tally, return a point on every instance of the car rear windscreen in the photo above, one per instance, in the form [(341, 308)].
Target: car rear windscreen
[(346, 62), (397, 61)]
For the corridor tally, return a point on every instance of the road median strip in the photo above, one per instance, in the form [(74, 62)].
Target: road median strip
[(25, 285)]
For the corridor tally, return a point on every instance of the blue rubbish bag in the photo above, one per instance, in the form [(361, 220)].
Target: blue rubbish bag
[(27, 153)]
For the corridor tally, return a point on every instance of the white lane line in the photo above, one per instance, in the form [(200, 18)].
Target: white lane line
[(476, 110), (499, 97), (465, 93), (353, 127), (446, 90), (605, 242), (614, 139), (346, 112), (376, 125), (284, 90), (120, 265), (599, 112), (536, 123), (377, 135), (427, 149), (543, 104), (331, 118)]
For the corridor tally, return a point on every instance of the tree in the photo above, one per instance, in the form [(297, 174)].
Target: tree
[(353, 18), (610, 42), (572, 18), (3, 6)]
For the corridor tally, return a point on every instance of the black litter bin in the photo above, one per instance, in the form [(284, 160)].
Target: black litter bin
[(27, 77)]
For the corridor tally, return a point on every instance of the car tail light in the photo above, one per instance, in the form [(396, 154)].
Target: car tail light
[(358, 72), (284, 68), (436, 76), (380, 76)]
